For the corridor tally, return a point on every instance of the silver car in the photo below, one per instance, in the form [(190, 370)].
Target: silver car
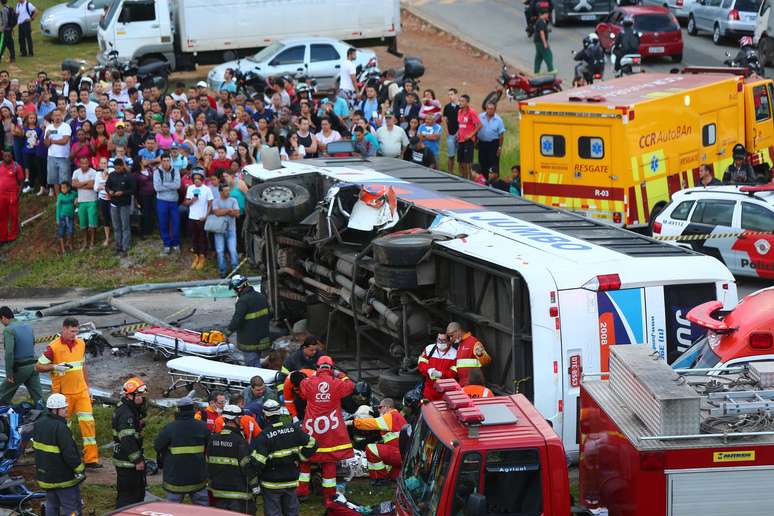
[(680, 8), (723, 18), (72, 21)]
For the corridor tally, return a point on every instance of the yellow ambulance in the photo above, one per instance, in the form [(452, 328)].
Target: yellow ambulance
[(616, 150)]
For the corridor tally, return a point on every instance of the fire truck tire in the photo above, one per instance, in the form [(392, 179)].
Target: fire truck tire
[(402, 250), (395, 383), (280, 201), (395, 277)]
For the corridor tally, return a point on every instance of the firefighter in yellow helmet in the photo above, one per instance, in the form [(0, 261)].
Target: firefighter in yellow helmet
[(128, 456)]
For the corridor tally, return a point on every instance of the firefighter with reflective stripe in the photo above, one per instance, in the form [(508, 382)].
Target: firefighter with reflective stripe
[(19, 344), (295, 405), (180, 448), (228, 455), (324, 421), (471, 354), (475, 387), (65, 359), (250, 321), (275, 458), (128, 457), (437, 361), (58, 466), (384, 458)]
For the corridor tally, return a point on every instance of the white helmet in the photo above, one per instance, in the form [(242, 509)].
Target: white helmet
[(271, 408), (593, 38), (56, 401), (231, 412), (363, 411)]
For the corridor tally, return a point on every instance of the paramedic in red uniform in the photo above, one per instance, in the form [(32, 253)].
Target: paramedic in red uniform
[(384, 459), (11, 178), (470, 352), (438, 361), (323, 420)]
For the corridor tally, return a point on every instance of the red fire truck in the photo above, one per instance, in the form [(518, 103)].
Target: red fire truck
[(653, 443)]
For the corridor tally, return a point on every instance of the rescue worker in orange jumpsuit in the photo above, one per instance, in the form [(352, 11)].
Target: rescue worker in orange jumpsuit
[(65, 359), (475, 387), (438, 361), (324, 421), (384, 458), (247, 423), (470, 352), (293, 402)]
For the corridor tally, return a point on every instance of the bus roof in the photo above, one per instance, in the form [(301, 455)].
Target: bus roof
[(513, 232), (633, 89)]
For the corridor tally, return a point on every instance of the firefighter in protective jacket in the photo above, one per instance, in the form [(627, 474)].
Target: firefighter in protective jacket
[(180, 448), (471, 354), (323, 420), (275, 457), (227, 466), (128, 456), (384, 458), (438, 361), (250, 321)]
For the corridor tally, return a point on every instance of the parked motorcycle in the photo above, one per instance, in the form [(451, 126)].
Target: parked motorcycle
[(519, 86), (153, 73)]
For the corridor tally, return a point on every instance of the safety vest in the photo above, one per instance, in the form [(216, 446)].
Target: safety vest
[(389, 424), (477, 391), (467, 358), (72, 380)]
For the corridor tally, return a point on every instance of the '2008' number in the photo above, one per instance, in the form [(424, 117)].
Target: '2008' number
[(322, 424)]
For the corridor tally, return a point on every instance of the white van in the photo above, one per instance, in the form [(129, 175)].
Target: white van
[(547, 291), (185, 33)]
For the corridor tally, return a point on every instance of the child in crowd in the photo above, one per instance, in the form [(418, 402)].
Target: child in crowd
[(65, 216)]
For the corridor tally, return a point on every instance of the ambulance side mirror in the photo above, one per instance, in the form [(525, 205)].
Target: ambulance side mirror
[(476, 505)]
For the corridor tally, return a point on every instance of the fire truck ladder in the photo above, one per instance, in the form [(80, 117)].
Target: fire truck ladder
[(741, 402)]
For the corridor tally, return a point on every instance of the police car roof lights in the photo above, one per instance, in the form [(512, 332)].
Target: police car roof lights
[(603, 282), (751, 190)]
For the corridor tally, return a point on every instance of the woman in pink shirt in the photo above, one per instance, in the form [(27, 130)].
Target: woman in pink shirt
[(164, 138)]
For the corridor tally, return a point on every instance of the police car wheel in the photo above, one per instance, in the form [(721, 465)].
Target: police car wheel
[(395, 277), (280, 201), (402, 250), (395, 383)]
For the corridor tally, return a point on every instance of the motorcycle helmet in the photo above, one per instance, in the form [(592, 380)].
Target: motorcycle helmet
[(628, 21), (586, 42), (745, 41), (593, 38)]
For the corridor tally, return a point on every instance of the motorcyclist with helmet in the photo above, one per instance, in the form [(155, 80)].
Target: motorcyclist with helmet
[(591, 61), (628, 42), (747, 57)]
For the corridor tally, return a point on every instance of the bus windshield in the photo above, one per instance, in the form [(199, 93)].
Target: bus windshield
[(424, 471)]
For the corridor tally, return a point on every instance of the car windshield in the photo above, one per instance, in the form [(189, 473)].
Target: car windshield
[(266, 52), (104, 23), (700, 355), (749, 6), (425, 469), (655, 23)]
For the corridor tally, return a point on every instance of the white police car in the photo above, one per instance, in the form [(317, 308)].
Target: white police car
[(735, 224)]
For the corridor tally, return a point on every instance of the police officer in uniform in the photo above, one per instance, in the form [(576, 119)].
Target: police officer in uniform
[(275, 457), (180, 448), (128, 456), (227, 466), (58, 466), (250, 321), (19, 344)]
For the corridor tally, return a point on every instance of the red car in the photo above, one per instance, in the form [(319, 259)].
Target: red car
[(660, 34)]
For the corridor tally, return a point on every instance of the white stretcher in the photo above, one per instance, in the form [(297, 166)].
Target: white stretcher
[(210, 374), (171, 341)]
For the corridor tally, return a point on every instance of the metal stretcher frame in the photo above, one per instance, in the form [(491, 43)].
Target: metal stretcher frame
[(209, 383), (223, 350)]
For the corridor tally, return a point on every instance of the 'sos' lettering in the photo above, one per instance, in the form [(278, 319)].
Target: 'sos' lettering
[(322, 424)]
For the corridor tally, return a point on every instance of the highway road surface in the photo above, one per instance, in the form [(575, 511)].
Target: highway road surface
[(498, 27)]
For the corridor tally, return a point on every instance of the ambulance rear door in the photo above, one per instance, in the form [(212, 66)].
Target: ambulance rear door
[(591, 191)]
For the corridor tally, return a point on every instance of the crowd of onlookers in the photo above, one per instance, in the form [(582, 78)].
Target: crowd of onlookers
[(120, 159)]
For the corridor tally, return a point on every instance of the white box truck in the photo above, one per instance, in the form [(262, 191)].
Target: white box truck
[(185, 33)]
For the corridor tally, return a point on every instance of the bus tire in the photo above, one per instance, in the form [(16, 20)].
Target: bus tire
[(395, 277), (405, 250), (395, 383), (279, 201)]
